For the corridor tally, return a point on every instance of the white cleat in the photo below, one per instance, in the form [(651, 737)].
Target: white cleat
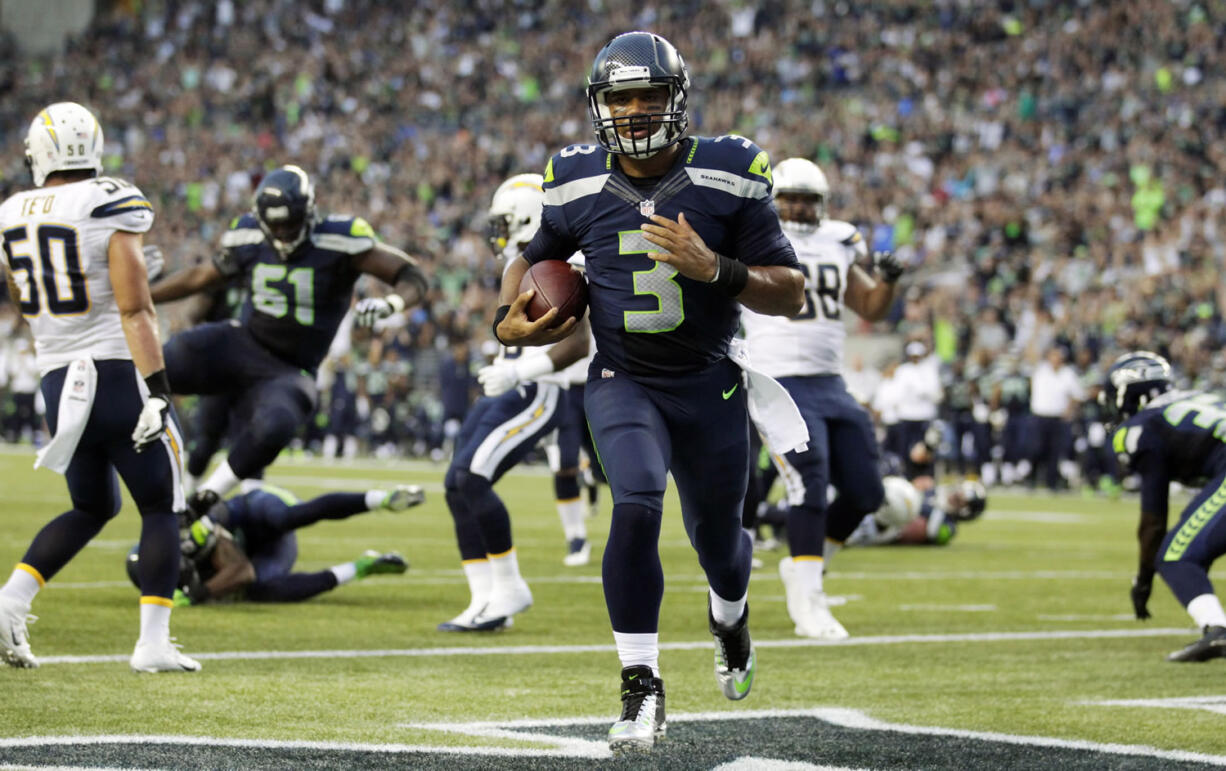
[(809, 611), (14, 638), (467, 621), (161, 656), (642, 722), (506, 599), (579, 553)]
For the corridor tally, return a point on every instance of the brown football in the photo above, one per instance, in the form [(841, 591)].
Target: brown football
[(557, 285)]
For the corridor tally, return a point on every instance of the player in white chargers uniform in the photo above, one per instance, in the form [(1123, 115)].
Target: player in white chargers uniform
[(73, 249), (524, 401), (805, 354)]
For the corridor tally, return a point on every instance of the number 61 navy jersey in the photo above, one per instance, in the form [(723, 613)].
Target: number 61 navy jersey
[(647, 318), (293, 307)]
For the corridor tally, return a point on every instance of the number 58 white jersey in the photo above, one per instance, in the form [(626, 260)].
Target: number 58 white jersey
[(810, 343), (55, 247)]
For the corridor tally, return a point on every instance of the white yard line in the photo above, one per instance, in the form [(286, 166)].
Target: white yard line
[(529, 730), (531, 650)]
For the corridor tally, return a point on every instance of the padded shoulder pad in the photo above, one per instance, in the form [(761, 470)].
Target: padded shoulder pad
[(345, 234), (731, 163), (122, 205)]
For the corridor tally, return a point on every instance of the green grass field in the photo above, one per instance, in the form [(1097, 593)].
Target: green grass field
[(1021, 627)]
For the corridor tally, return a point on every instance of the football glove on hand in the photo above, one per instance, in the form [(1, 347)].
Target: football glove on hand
[(888, 266), (372, 309), (1141, 588), (155, 262), (505, 374), (151, 423), (198, 539)]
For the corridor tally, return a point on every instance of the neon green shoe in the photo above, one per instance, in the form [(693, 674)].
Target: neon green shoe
[(373, 563)]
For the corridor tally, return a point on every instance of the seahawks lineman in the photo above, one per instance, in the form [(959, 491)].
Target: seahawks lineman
[(73, 248), (805, 354), (525, 397), (300, 269)]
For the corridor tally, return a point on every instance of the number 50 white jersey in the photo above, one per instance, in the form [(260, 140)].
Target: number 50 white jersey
[(811, 342), (55, 246)]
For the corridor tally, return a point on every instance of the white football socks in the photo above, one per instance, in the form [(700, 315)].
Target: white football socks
[(639, 650), (154, 619), (1206, 610), (573, 514), (727, 612), (23, 584)]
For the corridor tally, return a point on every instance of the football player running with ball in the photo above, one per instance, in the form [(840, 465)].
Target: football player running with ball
[(300, 269), (675, 231), (805, 352), (1173, 436), (73, 248), (524, 401)]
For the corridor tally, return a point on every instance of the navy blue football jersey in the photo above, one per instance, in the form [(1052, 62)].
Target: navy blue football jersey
[(1180, 437), (294, 307), (647, 318)]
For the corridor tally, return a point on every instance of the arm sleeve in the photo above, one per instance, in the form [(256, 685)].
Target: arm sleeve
[(550, 242), (759, 239)]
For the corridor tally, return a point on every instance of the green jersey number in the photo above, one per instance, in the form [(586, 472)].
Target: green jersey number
[(660, 281), (275, 301)]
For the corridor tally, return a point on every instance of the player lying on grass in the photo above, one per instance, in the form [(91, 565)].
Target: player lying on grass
[(1173, 436), (245, 547)]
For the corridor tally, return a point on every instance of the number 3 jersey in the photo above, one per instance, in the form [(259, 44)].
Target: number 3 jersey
[(810, 343), (648, 319), (55, 245), (294, 306), (1180, 436)]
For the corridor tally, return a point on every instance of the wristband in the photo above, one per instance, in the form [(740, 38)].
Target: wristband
[(158, 384), (499, 315), (730, 275)]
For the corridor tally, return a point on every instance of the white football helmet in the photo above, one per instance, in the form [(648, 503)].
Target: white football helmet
[(63, 137), (901, 505), (800, 176), (515, 214)]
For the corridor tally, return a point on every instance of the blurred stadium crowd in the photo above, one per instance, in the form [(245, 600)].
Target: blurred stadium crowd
[(1048, 168)]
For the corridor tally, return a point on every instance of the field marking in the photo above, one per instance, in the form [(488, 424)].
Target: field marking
[(1215, 704), (1046, 517), (1085, 617), (570, 747), (954, 608), (529, 650)]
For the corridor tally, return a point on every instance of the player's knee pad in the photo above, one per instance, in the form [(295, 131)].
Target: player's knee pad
[(473, 487)]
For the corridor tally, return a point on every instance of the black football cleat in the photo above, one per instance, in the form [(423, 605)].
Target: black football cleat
[(1211, 646)]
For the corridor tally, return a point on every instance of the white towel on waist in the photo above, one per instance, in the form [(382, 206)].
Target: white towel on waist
[(76, 401), (771, 408)]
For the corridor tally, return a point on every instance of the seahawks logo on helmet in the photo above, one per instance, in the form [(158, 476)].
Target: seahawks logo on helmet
[(1133, 380)]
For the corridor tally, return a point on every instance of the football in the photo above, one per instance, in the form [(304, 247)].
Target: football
[(557, 285)]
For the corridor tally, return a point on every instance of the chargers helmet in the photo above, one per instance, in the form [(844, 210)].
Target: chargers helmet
[(285, 208), (515, 214), (902, 503), (636, 60), (801, 177), (1134, 379), (969, 501), (63, 137)]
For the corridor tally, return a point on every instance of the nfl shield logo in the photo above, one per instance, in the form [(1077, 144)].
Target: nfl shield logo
[(606, 373), (647, 208)]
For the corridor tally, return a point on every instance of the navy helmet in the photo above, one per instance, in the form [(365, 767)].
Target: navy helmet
[(638, 60), (285, 208), (1133, 380)]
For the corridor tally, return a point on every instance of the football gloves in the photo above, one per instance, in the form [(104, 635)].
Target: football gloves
[(1141, 588), (372, 309), (151, 423), (155, 262), (505, 374), (888, 266)]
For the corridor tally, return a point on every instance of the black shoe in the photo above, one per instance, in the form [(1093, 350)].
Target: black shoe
[(735, 660), (642, 723), (199, 503), (1211, 646)]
